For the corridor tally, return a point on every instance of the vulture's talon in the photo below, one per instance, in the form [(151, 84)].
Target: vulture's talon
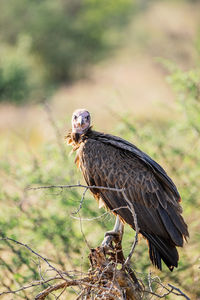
[(107, 242), (109, 238), (112, 233)]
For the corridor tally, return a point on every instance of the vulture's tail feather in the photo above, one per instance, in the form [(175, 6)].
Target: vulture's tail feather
[(174, 231), (155, 256), (178, 222), (160, 249)]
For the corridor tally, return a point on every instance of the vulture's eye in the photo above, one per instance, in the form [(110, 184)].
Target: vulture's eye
[(87, 118), (75, 117)]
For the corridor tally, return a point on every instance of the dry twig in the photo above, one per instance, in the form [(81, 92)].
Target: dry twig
[(74, 186)]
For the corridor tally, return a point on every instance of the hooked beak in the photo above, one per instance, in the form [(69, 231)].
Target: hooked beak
[(80, 121)]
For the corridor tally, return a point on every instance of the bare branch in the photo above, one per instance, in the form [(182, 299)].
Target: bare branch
[(91, 219), (87, 281), (150, 281), (55, 127), (74, 186), (169, 291), (45, 293), (81, 202), (35, 253), (132, 210), (32, 284), (180, 292), (81, 227), (98, 217)]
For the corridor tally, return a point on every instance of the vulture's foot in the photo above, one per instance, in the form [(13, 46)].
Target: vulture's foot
[(113, 239), (109, 238), (113, 247)]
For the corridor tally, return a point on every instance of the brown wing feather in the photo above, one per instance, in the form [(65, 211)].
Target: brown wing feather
[(105, 165), (158, 212)]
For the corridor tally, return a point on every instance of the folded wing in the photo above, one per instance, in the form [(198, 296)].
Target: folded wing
[(112, 162)]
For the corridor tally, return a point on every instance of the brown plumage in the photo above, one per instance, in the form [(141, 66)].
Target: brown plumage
[(110, 161)]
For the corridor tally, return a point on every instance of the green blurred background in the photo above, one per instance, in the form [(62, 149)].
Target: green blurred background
[(135, 66)]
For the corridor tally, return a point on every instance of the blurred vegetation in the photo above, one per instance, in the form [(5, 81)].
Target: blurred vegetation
[(44, 43), (44, 219), (48, 43)]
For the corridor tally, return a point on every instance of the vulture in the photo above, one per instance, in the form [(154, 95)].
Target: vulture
[(114, 163)]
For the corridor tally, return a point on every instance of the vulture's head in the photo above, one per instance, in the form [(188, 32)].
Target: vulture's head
[(80, 121)]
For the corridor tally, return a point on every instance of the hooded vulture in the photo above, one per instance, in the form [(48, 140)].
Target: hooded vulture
[(109, 161)]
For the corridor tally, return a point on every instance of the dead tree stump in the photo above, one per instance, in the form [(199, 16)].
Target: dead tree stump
[(110, 279)]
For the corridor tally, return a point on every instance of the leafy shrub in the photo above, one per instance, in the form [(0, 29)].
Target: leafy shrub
[(18, 81), (65, 36), (13, 82)]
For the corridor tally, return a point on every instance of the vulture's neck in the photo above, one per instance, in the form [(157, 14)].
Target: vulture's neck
[(75, 139)]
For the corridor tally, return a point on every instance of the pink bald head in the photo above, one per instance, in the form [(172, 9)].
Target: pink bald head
[(80, 121)]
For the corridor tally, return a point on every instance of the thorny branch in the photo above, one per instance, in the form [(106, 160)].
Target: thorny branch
[(74, 186), (104, 279)]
